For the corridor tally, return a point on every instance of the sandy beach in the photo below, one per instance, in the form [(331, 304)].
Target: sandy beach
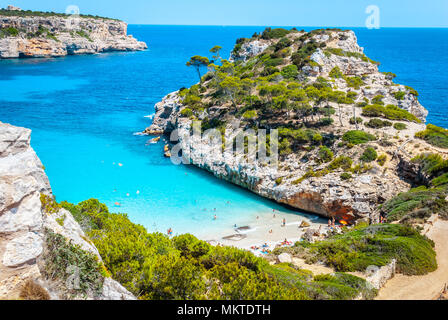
[(257, 233)]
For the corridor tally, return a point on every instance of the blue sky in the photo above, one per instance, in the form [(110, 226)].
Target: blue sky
[(335, 13)]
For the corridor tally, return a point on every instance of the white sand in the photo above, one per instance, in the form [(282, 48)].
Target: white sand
[(259, 234)]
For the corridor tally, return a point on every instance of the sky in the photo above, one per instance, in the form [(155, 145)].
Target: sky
[(322, 13)]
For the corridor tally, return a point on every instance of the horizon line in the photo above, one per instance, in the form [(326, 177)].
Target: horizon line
[(279, 26)]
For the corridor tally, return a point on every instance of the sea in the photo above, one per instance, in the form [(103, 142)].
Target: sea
[(85, 111)]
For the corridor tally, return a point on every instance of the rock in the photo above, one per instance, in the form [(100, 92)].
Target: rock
[(112, 290), (23, 249), (249, 50), (285, 258), (309, 235), (378, 277), (87, 36), (23, 224)]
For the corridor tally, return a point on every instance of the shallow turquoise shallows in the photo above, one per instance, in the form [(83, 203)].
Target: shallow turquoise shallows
[(84, 110)]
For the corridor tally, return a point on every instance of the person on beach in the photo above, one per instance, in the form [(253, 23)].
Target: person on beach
[(284, 222), (215, 217), (170, 232)]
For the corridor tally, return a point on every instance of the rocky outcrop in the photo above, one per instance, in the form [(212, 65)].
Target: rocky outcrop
[(56, 36), (24, 223), (328, 195), (378, 277)]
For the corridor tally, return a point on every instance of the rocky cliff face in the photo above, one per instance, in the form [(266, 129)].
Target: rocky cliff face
[(24, 224), (328, 195), (56, 36)]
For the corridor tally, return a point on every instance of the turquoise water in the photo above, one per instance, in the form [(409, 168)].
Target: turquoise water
[(84, 110)]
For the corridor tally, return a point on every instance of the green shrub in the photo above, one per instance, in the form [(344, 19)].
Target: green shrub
[(8, 32), (64, 259), (325, 154), (277, 33), (382, 159), (376, 245), (418, 203), (354, 82), (290, 72), (378, 100), (369, 155), (434, 135), (250, 114), (336, 73), (400, 126), (357, 120), (341, 162), (378, 123), (358, 137), (346, 176), (399, 95), (274, 62), (186, 113), (279, 181), (390, 112)]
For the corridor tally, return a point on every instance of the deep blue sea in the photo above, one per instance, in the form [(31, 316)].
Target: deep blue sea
[(84, 110)]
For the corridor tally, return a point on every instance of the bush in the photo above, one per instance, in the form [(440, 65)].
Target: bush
[(355, 121), (418, 203), (399, 95), (278, 33), (186, 113), (369, 155), (325, 154), (33, 291), (376, 245), (8, 32), (341, 162), (400, 126), (346, 176), (290, 72), (250, 114), (382, 160), (390, 112), (60, 256), (358, 137), (336, 73), (354, 82), (434, 135), (378, 123), (378, 100)]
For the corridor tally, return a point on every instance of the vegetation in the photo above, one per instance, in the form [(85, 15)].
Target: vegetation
[(64, 259), (434, 135), (389, 112), (8, 32), (29, 13), (198, 62), (400, 126), (154, 266), (378, 123), (375, 245), (33, 291), (358, 137), (369, 155)]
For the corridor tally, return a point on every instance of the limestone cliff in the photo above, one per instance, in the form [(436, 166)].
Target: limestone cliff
[(25, 225), (324, 192), (60, 35)]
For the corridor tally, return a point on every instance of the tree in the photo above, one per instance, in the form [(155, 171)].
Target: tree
[(197, 62), (216, 50), (231, 86)]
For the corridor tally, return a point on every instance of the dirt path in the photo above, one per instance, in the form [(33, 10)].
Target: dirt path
[(425, 287)]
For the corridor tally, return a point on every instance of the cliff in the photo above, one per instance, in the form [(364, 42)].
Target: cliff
[(41, 36), (29, 222), (310, 86)]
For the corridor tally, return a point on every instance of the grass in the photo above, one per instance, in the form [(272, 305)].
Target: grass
[(416, 204), (375, 245), (33, 291), (434, 135)]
